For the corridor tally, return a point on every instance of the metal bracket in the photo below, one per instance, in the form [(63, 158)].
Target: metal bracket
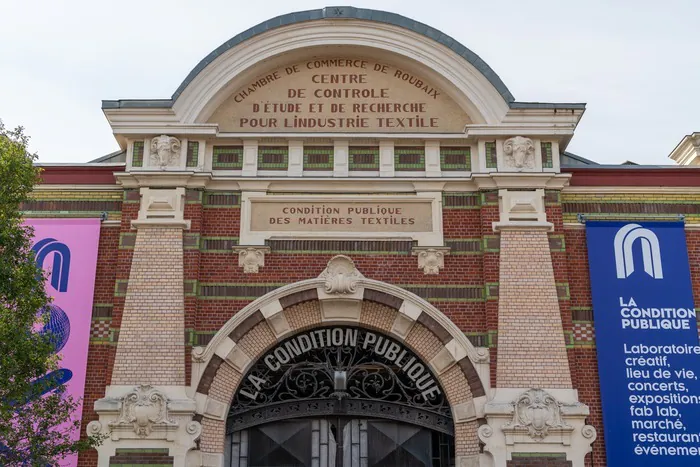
[(582, 218)]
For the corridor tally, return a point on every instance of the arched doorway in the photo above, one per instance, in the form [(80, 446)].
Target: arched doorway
[(340, 297), (339, 396)]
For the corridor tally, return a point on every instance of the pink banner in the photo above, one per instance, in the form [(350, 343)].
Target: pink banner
[(67, 250)]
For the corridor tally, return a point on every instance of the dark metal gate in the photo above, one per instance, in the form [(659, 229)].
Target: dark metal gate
[(340, 397), (339, 442)]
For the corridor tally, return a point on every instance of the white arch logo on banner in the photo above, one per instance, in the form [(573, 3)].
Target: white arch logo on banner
[(651, 252)]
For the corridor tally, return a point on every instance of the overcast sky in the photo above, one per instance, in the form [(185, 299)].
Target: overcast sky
[(636, 63)]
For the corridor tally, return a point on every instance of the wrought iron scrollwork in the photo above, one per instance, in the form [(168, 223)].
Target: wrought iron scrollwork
[(360, 379)]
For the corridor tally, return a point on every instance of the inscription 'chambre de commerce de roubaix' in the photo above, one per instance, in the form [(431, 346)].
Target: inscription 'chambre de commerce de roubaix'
[(339, 94)]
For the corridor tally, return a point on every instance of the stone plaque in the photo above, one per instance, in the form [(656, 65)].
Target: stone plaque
[(340, 95), (341, 216)]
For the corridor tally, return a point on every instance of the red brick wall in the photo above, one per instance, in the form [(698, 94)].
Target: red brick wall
[(583, 360), (287, 267), (204, 316), (113, 263), (100, 354)]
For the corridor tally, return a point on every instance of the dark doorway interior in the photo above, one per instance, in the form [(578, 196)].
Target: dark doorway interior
[(339, 442)]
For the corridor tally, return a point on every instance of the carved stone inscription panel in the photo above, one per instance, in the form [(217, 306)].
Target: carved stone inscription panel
[(340, 94), (342, 216)]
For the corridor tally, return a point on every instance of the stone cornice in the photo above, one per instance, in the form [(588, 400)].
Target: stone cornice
[(161, 223), (523, 129), (157, 178), (494, 181), (523, 225), (477, 181), (687, 151), (149, 128)]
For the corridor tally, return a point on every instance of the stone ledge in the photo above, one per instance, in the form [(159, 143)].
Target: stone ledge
[(161, 223), (523, 225)]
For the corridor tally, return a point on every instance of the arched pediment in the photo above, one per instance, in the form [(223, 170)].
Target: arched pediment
[(471, 90), (462, 75)]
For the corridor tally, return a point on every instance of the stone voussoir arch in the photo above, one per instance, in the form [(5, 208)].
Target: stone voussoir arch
[(340, 295)]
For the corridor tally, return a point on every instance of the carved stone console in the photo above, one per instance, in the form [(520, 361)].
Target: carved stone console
[(341, 295), (251, 258), (431, 259), (536, 421)]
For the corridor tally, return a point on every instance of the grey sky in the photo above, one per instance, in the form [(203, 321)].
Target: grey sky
[(636, 63)]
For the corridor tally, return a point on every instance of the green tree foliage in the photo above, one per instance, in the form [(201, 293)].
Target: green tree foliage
[(34, 429)]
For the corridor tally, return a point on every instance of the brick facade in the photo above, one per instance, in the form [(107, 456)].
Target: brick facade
[(469, 290)]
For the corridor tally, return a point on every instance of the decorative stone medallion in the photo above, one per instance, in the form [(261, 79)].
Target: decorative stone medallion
[(143, 408)]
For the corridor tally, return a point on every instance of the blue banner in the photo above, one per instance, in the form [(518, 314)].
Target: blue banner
[(647, 342)]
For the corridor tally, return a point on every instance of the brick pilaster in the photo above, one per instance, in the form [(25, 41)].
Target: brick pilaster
[(151, 340), (531, 346)]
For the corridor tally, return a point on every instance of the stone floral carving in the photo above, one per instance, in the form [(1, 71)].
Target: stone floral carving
[(589, 432), (484, 432), (431, 260), (143, 408), (251, 258), (537, 412), (482, 355), (199, 353), (194, 429), (519, 153), (94, 428), (165, 151), (341, 276)]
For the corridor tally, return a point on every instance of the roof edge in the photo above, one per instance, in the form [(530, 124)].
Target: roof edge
[(583, 160), (137, 104), (548, 105), (106, 158)]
